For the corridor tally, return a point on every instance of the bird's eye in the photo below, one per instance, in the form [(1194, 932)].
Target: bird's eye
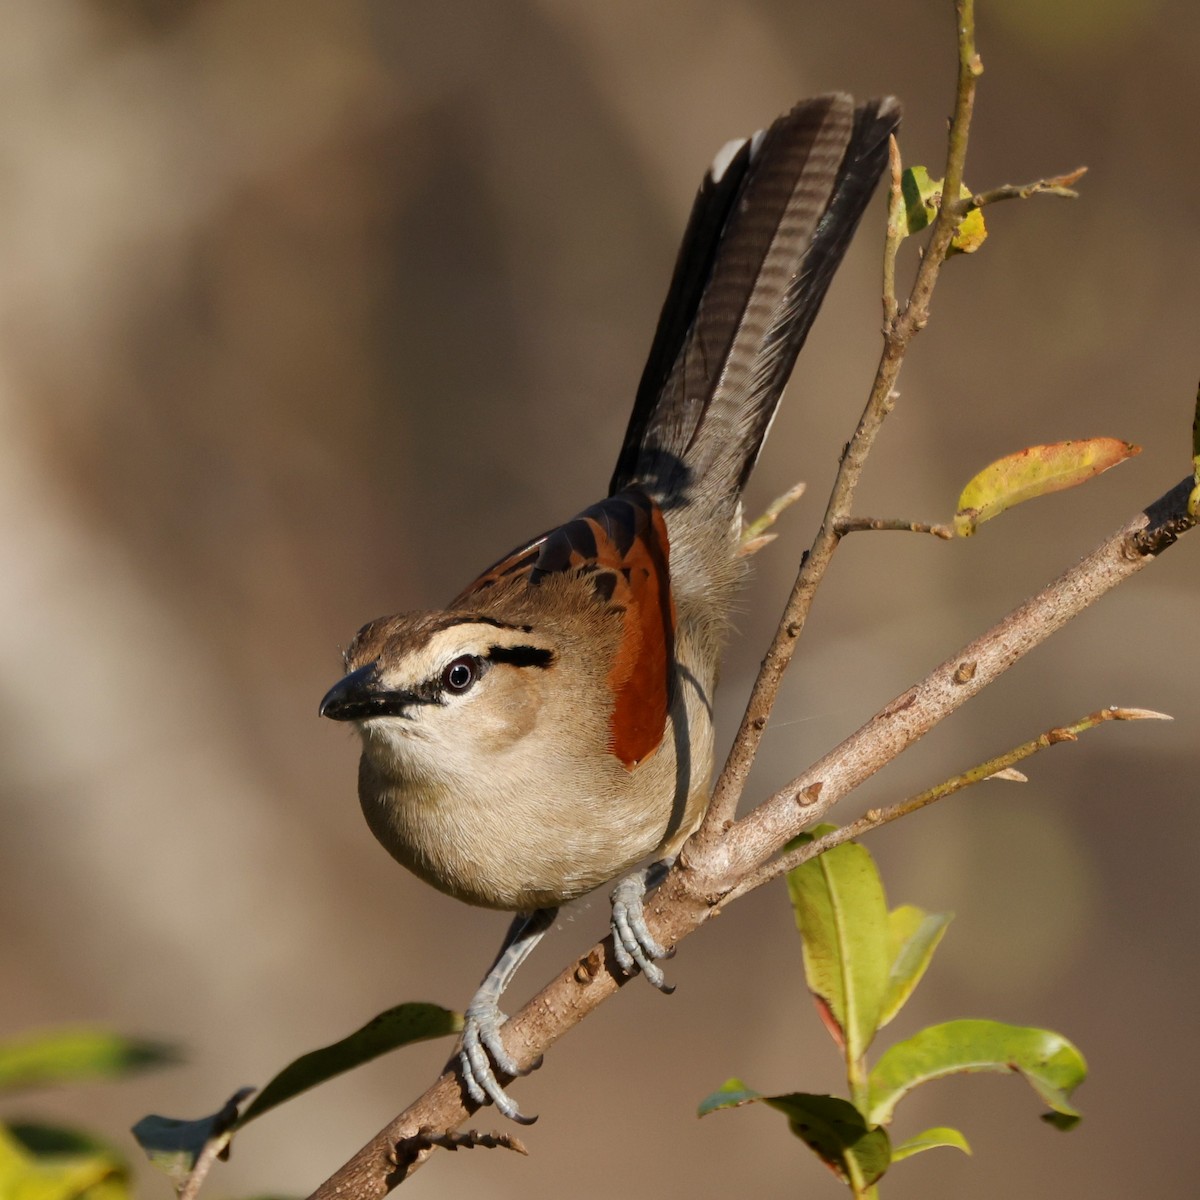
[(461, 673)]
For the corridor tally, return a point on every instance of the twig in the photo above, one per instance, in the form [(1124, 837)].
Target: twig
[(861, 524), (754, 533), (993, 768), (897, 336), (425, 1138), (1056, 185), (894, 234)]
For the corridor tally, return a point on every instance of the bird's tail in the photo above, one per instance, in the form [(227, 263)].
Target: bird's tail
[(769, 227)]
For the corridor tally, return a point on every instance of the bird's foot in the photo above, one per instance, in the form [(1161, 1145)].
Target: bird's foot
[(483, 1055), (635, 948)]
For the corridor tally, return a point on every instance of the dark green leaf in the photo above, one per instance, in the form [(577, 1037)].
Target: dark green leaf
[(1050, 1063), (831, 1127), (57, 1056), (731, 1094), (391, 1029), (175, 1146), (1062, 1121), (835, 1131), (50, 1141), (842, 916)]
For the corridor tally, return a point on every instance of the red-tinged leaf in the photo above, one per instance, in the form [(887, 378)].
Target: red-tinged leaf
[(1035, 471)]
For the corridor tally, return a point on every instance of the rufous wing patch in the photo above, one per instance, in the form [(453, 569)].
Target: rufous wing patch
[(633, 577), (620, 546)]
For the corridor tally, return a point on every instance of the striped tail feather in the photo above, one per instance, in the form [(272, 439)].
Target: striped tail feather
[(769, 226)]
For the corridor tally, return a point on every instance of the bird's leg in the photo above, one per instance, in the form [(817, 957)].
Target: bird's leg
[(483, 1052), (634, 947)]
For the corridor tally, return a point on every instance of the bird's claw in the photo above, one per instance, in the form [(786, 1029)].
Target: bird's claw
[(634, 946), (483, 1055)]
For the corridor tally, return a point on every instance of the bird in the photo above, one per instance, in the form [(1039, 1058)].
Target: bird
[(550, 731)]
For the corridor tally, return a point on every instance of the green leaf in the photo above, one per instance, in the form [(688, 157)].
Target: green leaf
[(733, 1093), (842, 916), (1035, 471), (922, 198), (396, 1027), (836, 1132), (1051, 1064), (78, 1170), (913, 936), (930, 1139), (175, 1146), (831, 1127), (57, 1056)]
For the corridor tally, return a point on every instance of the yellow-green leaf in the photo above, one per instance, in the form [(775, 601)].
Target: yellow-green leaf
[(61, 1055), (1052, 1066), (1035, 471), (913, 936), (76, 1168), (842, 916), (922, 196), (930, 1139)]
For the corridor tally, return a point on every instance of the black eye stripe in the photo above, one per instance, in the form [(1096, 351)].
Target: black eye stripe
[(521, 656)]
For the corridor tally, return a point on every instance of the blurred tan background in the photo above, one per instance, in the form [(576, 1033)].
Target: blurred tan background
[(308, 310)]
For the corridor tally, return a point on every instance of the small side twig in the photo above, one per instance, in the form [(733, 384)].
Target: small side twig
[(754, 533), (1055, 185), (861, 524), (426, 1138), (894, 233), (994, 767)]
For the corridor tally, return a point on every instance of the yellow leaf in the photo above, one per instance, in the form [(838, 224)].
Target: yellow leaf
[(922, 197), (1035, 471)]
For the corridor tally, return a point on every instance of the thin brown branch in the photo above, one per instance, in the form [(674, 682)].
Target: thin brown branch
[(998, 767), (1055, 185), (707, 874), (732, 780), (862, 524)]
